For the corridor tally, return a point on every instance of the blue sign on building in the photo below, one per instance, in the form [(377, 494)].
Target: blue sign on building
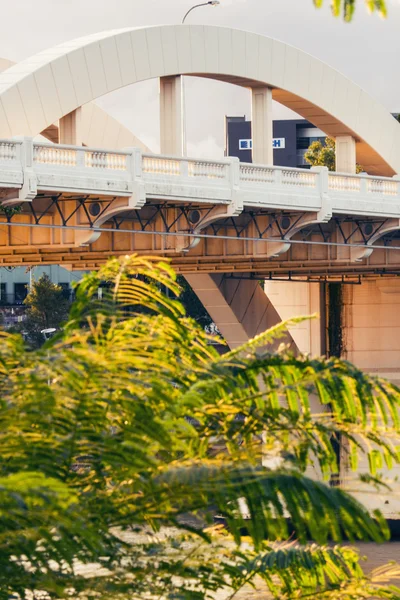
[(277, 143), (245, 144)]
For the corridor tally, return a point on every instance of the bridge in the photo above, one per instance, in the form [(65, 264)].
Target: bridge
[(324, 242), (81, 194)]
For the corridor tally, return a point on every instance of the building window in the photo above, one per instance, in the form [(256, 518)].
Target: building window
[(303, 143), (20, 292), (3, 294), (66, 292)]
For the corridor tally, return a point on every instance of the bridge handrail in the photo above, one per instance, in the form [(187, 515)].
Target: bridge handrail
[(252, 173), (9, 150), (28, 165), (222, 161), (363, 183), (72, 147), (277, 167), (63, 155), (164, 165)]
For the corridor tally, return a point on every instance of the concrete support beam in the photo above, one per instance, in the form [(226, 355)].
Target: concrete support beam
[(261, 125), (171, 116), (345, 154), (240, 308), (295, 299), (70, 128), (371, 326)]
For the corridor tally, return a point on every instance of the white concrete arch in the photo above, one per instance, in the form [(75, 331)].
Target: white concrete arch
[(98, 128), (40, 90)]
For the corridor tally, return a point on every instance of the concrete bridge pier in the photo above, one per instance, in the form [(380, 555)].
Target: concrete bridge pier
[(370, 315), (239, 307), (171, 116), (345, 154), (70, 128), (292, 299), (261, 126)]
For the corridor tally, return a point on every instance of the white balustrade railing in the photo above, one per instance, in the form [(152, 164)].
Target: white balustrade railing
[(387, 187), (47, 154), (67, 156), (260, 174), (106, 160), (299, 178), (183, 167), (257, 173), (61, 167), (207, 169), (340, 182), (159, 165), (8, 150), (343, 182)]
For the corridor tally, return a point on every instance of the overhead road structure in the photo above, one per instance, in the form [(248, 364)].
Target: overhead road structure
[(224, 215)]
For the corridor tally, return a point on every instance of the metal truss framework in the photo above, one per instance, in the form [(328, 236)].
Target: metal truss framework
[(72, 212), (187, 218)]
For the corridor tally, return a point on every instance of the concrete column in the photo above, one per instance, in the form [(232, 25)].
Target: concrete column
[(70, 128), (296, 299), (239, 307), (261, 126), (171, 116), (345, 154)]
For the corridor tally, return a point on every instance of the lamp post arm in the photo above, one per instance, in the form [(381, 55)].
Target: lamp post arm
[(193, 7)]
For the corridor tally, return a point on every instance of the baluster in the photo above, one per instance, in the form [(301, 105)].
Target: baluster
[(278, 179)]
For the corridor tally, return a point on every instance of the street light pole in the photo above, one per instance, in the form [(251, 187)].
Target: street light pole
[(210, 3)]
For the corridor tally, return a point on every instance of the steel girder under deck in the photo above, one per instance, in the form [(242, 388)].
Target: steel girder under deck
[(53, 228)]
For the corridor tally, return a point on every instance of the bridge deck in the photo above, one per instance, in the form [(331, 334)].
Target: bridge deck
[(69, 169), (251, 214)]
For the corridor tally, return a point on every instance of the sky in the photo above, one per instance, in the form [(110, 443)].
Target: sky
[(366, 51)]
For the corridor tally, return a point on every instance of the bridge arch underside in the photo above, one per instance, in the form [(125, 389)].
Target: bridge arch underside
[(39, 91), (258, 242)]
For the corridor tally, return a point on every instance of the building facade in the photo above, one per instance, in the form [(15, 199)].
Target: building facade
[(291, 139), (15, 284)]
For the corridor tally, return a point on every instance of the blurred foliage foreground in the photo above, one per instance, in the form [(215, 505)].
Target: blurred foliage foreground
[(109, 490)]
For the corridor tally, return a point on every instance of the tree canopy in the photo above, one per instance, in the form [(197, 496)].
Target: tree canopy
[(47, 307), (126, 435), (346, 8), (324, 155)]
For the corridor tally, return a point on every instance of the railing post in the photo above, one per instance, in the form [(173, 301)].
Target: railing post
[(184, 168), (80, 158), (277, 177), (135, 173), (397, 179), (325, 212), (28, 190), (236, 206), (363, 183)]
